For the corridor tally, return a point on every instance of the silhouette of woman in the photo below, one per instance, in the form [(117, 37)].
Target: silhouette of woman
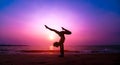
[(62, 39)]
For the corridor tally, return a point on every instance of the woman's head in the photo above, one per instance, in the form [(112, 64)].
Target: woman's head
[(56, 44)]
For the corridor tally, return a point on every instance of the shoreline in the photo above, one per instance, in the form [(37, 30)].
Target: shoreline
[(57, 52)]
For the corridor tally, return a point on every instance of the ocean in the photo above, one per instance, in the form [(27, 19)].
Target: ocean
[(81, 49)]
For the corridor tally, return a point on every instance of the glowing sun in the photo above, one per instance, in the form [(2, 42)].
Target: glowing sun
[(51, 36)]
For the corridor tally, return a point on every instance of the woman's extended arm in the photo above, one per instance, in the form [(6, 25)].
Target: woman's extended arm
[(52, 29)]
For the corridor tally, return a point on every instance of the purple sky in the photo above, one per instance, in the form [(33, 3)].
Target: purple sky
[(93, 22)]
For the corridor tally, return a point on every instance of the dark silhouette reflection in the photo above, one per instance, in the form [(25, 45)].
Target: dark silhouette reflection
[(62, 39)]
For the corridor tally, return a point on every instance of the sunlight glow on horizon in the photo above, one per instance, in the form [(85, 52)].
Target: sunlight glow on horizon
[(51, 47)]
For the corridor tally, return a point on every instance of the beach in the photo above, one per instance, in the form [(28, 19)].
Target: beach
[(53, 59)]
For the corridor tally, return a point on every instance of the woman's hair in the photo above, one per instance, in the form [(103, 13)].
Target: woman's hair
[(56, 44)]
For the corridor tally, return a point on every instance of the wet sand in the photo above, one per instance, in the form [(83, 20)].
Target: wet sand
[(53, 59)]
